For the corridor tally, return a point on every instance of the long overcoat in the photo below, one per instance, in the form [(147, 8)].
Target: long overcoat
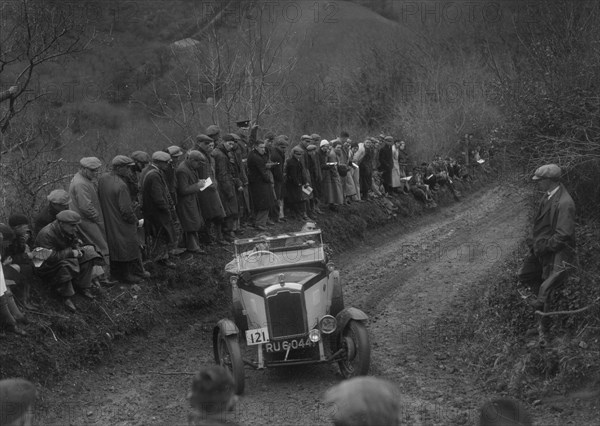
[(294, 180), (331, 185), (278, 156), (260, 181), (188, 206), (225, 178), (348, 185), (157, 206), (119, 218), (386, 163), (210, 201), (84, 200)]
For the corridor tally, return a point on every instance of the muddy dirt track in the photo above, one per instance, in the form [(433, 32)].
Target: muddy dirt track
[(403, 282)]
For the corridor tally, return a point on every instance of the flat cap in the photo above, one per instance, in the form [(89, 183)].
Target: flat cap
[(140, 156), (228, 137), (315, 137), (175, 151), (323, 143), (212, 386), (212, 130), (121, 160), (269, 136), (59, 196), (16, 396), (297, 148), (281, 140), (548, 171), (389, 139), (17, 219), (196, 155), (311, 147), (68, 216), (203, 138), (305, 137), (91, 163), (161, 156)]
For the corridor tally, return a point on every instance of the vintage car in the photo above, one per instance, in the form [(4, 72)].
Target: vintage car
[(288, 309)]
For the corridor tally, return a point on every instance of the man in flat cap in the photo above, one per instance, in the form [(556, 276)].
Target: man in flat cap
[(83, 191), (552, 239), (211, 397), (68, 266), (229, 185), (120, 220), (58, 200), (159, 209), (189, 185), (17, 397), (295, 181), (364, 401), (214, 133), (177, 156)]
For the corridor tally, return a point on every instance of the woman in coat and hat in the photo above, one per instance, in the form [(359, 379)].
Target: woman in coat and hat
[(296, 182), (331, 185)]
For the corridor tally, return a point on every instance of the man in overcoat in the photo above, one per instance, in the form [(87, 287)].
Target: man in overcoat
[(120, 220), (277, 156), (552, 239), (83, 191), (159, 209), (210, 201), (189, 211), (386, 163), (331, 185), (295, 181), (228, 185), (260, 183)]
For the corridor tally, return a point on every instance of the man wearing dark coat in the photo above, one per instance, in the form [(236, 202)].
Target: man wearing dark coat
[(295, 180), (228, 185), (188, 207), (366, 170), (278, 160), (159, 209), (120, 220), (67, 266), (260, 183), (58, 200), (386, 163), (552, 240), (210, 201)]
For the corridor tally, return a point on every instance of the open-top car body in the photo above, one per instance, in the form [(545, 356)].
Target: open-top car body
[(288, 309)]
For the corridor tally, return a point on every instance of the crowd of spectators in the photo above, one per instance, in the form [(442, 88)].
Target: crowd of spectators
[(102, 228)]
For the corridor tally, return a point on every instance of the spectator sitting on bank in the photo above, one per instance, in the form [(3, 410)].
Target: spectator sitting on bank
[(211, 397), (364, 401), (58, 200), (68, 265), (420, 190), (19, 255), (504, 412), (9, 312)]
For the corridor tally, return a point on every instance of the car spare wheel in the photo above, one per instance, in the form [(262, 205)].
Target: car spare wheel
[(355, 341), (229, 356)]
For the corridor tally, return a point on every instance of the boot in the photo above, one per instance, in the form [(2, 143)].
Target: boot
[(7, 321), (14, 309)]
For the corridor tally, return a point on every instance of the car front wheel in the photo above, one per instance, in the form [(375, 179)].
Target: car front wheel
[(355, 341), (229, 356)]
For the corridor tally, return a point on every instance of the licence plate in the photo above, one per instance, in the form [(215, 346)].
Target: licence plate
[(279, 346), (257, 336)]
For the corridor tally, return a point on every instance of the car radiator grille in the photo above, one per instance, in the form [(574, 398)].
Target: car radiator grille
[(286, 315)]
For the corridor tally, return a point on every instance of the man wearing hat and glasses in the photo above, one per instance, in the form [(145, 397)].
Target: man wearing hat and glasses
[(552, 240), (67, 266)]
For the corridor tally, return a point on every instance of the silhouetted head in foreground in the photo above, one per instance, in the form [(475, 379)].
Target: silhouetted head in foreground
[(504, 412), (364, 401)]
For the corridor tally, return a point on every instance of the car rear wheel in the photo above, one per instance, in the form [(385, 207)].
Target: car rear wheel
[(355, 340), (229, 356)]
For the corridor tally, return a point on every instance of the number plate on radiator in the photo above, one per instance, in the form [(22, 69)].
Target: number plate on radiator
[(257, 336)]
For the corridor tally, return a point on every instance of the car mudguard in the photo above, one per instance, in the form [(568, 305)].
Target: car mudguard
[(348, 314), (226, 327)]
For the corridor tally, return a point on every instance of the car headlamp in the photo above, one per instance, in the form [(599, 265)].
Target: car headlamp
[(314, 335), (233, 280), (330, 267), (328, 324)]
